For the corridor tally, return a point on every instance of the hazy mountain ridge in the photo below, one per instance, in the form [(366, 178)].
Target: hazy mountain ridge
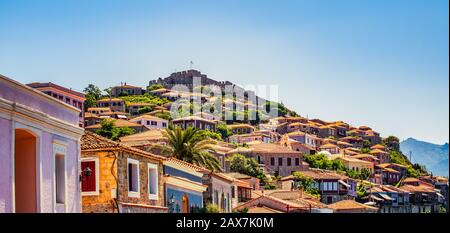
[(435, 157)]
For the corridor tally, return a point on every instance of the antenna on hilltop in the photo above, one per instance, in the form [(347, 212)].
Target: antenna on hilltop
[(191, 65)]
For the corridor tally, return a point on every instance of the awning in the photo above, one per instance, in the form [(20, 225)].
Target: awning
[(345, 184), (440, 195), (386, 197), (122, 116)]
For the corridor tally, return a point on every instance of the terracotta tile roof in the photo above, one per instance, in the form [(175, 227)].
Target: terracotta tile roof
[(262, 210), (90, 115), (257, 200), (149, 135), (233, 126), (318, 174), (385, 165), (360, 156), (224, 177), (344, 143), (193, 118), (378, 146), (351, 205), (297, 143), (354, 160), (295, 196), (94, 142), (390, 170), (378, 151), (418, 189), (98, 109), (109, 99), (238, 175), (328, 146), (147, 117), (350, 152), (184, 164), (117, 123), (296, 133), (271, 148), (410, 180), (364, 128)]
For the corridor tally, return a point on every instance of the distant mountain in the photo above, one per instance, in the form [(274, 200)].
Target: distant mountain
[(433, 156)]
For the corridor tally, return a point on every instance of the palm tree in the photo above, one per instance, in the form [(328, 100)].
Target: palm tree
[(190, 145)]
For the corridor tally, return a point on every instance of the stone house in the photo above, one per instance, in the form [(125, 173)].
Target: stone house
[(133, 108), (241, 128), (332, 186), (126, 89), (195, 122), (118, 178), (276, 159), (115, 104), (151, 122)]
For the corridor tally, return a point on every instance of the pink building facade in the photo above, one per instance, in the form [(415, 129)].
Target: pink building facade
[(39, 152)]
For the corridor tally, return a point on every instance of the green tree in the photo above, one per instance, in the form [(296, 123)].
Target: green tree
[(306, 183), (92, 94), (109, 130), (223, 130), (212, 135), (145, 109), (190, 145), (108, 91), (249, 166), (210, 208), (164, 115), (155, 87)]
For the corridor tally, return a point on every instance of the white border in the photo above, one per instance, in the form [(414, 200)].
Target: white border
[(97, 176), (59, 148), (132, 193), (155, 167)]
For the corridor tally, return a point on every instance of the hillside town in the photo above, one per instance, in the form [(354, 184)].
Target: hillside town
[(135, 149)]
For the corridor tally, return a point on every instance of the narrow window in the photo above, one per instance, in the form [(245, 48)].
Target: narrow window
[(280, 161), (133, 178), (60, 179), (153, 181), (272, 161), (289, 161), (297, 161)]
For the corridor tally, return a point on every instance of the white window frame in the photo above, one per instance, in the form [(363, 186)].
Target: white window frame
[(59, 148), (150, 195), (138, 192), (97, 176)]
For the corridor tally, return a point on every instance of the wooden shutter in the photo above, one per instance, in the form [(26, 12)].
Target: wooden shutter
[(88, 182)]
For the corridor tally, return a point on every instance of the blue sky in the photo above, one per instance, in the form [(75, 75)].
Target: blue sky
[(377, 63)]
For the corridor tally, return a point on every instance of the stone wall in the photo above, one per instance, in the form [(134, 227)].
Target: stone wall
[(143, 186), (103, 202)]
